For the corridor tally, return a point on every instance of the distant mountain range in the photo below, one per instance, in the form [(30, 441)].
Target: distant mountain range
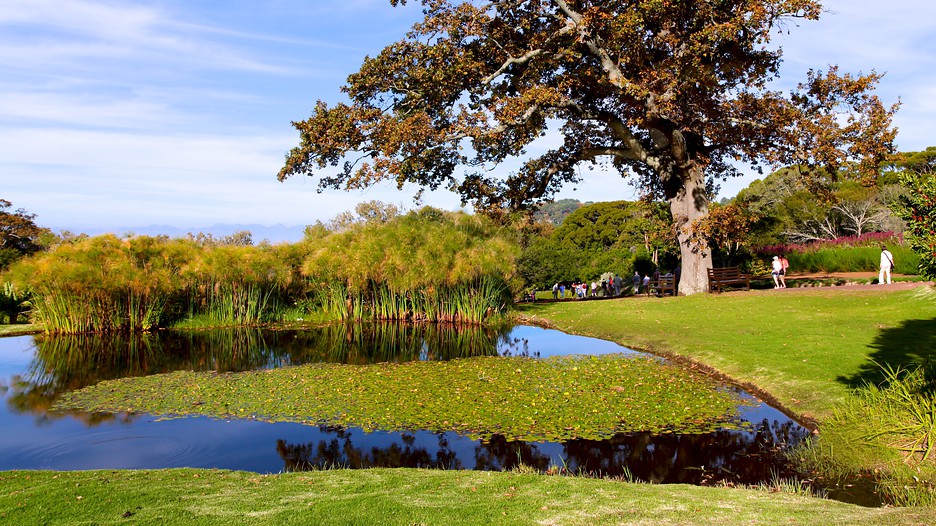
[(275, 233)]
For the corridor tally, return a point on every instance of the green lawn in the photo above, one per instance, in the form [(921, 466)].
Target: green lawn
[(19, 329), (806, 348), (403, 497)]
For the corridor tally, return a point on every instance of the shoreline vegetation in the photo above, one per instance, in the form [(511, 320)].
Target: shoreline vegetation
[(812, 350), (552, 399), (426, 265)]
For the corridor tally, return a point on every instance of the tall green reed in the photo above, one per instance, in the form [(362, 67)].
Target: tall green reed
[(887, 431), (427, 265), (101, 284), (481, 300)]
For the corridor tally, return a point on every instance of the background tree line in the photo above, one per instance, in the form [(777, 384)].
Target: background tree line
[(382, 262)]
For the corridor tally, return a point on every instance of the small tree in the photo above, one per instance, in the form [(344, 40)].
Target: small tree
[(19, 234), (918, 206), (726, 228)]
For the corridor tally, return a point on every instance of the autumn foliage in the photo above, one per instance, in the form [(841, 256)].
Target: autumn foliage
[(675, 94)]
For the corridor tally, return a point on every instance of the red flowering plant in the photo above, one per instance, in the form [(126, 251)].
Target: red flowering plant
[(870, 239)]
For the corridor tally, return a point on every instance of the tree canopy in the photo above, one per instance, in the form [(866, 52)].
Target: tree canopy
[(917, 172), (672, 92), (617, 237)]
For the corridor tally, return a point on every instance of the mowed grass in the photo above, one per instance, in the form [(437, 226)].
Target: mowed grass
[(403, 497), (19, 329), (807, 348)]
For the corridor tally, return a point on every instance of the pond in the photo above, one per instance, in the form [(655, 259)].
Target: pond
[(35, 370)]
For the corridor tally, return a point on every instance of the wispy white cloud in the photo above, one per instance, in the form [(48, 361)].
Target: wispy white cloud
[(117, 113)]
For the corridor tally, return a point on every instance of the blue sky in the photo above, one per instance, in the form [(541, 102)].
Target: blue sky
[(177, 112)]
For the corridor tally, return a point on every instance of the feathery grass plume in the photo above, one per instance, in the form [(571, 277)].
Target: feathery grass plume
[(427, 265), (237, 285), (101, 284)]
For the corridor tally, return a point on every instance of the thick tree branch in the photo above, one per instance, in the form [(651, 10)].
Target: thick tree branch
[(610, 67)]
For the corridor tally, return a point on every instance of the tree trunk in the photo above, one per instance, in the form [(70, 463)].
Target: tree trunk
[(689, 202)]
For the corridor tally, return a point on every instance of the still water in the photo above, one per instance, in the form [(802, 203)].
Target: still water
[(35, 370)]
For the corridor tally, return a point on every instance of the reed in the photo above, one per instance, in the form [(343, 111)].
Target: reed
[(427, 265), (237, 285), (102, 284), (480, 301), (890, 428)]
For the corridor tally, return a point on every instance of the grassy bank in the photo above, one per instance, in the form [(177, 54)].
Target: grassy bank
[(403, 497), (826, 355), (19, 329), (807, 348)]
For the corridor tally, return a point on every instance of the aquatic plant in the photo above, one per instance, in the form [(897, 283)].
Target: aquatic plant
[(427, 265), (99, 284), (886, 430), (554, 399), (13, 302)]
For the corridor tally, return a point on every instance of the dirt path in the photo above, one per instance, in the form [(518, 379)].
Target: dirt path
[(852, 276)]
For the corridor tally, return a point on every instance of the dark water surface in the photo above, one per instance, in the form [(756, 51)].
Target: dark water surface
[(35, 370)]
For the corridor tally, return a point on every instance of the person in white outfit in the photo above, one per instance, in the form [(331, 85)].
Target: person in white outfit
[(776, 268), (887, 265)]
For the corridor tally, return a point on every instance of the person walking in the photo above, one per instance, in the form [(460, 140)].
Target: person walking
[(784, 265), (887, 265), (776, 268)]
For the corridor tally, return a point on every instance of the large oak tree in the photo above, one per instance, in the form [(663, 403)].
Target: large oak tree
[(672, 92)]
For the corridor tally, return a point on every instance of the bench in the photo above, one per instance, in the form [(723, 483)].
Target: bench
[(721, 276), (661, 285)]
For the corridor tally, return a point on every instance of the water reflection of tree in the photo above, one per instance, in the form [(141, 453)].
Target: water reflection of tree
[(733, 456), (64, 363), (742, 457), (341, 452), (398, 342)]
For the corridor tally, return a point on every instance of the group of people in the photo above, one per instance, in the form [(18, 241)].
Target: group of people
[(607, 287), (610, 285), (614, 285), (780, 265)]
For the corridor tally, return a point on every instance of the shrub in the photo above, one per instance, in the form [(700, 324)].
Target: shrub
[(885, 429), (918, 209)]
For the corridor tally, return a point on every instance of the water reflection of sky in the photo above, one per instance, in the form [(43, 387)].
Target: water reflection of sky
[(549, 342), (33, 438)]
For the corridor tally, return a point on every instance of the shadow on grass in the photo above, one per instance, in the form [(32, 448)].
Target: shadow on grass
[(911, 344)]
